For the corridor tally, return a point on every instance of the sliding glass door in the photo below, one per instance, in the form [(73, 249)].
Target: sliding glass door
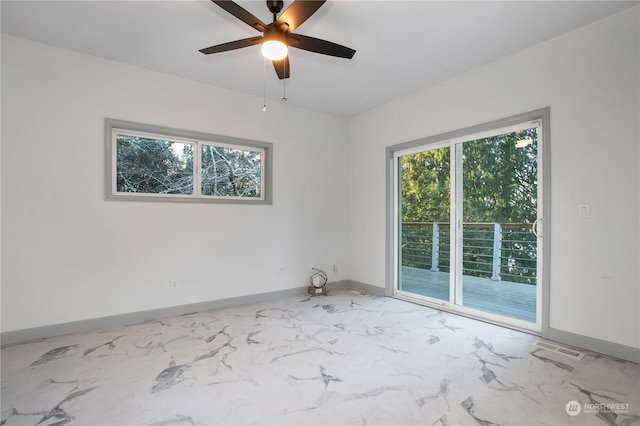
[(498, 210), (425, 228), (467, 219)]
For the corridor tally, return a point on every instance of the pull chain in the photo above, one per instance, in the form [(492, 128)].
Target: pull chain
[(264, 84), (284, 80)]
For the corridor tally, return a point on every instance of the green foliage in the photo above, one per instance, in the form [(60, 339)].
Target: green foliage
[(499, 185), (499, 181), (425, 186)]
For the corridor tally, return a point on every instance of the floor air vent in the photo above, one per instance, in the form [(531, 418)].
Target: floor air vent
[(559, 349)]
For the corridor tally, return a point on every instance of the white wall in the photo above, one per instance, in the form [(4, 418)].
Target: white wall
[(590, 79), (67, 254)]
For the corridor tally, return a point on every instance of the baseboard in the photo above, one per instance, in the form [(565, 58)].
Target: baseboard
[(30, 334), (367, 288), (36, 333), (615, 350)]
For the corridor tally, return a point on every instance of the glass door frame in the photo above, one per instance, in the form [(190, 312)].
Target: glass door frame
[(397, 225), (454, 140)]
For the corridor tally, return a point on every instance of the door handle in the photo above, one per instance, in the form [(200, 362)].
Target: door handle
[(535, 227)]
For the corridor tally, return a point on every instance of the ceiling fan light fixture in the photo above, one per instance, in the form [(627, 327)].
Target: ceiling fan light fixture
[(274, 50)]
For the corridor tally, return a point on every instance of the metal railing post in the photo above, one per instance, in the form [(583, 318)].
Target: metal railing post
[(435, 248), (497, 251)]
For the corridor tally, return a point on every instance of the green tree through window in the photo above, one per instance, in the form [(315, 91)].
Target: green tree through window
[(499, 186)]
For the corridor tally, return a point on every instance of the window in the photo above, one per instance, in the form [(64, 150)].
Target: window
[(147, 162)]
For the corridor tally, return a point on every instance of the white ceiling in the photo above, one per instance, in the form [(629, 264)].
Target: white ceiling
[(401, 46)]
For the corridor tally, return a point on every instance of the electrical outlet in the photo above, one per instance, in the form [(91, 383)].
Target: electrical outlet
[(335, 267), (173, 284)]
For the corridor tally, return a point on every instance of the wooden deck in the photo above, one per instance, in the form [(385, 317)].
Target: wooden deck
[(499, 297)]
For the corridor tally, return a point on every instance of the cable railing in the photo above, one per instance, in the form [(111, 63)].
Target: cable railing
[(498, 251)]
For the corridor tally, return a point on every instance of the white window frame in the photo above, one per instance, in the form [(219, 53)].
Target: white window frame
[(114, 127)]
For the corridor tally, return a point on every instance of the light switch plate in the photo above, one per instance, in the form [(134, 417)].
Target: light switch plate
[(584, 211)]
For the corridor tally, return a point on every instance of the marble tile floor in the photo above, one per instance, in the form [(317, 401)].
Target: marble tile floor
[(347, 358)]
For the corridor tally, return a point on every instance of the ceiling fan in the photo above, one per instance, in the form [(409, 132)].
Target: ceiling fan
[(278, 36)]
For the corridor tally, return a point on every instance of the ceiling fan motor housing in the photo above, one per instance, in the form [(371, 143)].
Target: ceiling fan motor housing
[(275, 35), (275, 6)]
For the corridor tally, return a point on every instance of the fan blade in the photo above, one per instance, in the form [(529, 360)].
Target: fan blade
[(232, 45), (297, 13), (282, 68), (241, 13), (317, 45)]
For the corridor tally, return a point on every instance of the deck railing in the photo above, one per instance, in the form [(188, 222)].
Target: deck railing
[(499, 251)]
